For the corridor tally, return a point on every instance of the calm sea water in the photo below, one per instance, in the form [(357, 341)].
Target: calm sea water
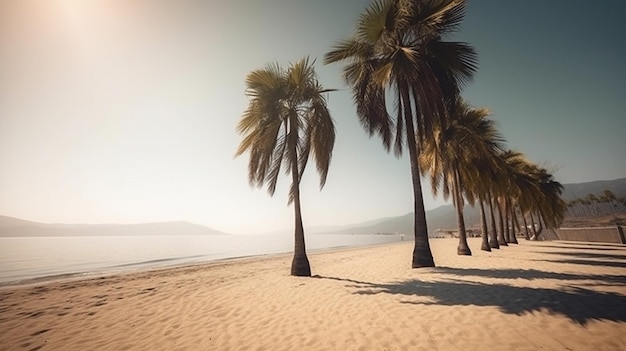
[(24, 258)]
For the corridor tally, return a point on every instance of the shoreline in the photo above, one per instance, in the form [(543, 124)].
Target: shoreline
[(138, 269), (551, 295), (95, 261)]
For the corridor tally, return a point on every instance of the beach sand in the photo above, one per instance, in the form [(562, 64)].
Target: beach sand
[(531, 296)]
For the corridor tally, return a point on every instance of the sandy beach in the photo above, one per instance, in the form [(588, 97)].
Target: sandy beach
[(532, 296)]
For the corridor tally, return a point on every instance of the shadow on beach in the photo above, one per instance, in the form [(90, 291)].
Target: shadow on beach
[(591, 245), (578, 304), (591, 255), (588, 259), (616, 264), (616, 248), (531, 274)]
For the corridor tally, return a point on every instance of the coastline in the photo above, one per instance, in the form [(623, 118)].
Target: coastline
[(25, 259), (552, 295)]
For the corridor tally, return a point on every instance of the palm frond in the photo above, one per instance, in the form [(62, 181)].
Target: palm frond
[(286, 122), (454, 63), (375, 20), (437, 17)]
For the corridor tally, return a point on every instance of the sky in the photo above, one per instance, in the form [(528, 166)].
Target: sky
[(124, 111)]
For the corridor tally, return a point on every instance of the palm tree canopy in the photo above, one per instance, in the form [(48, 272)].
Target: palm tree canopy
[(467, 143), (552, 207), (398, 45), (533, 188), (286, 119)]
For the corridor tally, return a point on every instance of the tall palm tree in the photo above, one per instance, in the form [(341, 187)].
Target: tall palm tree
[(485, 142), (398, 50), (528, 194), (458, 156), (499, 189), (522, 187), (485, 150), (534, 191), (511, 163), (286, 122), (494, 236), (550, 207)]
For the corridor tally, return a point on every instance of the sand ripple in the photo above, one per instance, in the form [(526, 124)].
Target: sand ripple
[(536, 295)]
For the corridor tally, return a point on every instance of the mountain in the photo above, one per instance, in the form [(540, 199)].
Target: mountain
[(330, 229), (445, 216), (13, 227), (442, 217), (581, 190)]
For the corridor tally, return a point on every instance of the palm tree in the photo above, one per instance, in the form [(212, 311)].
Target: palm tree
[(494, 237), (501, 188), (528, 195), (537, 193), (481, 187), (511, 174), (457, 158), (398, 50), (287, 120), (523, 189), (551, 207), (486, 179)]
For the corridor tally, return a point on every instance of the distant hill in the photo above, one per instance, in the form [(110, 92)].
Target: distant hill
[(14, 227), (445, 216), (440, 217), (580, 190)]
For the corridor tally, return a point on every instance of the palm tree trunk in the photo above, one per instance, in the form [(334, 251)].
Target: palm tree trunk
[(484, 245), (514, 225), (501, 239), (525, 227), (463, 248), (532, 223), (422, 256), (540, 221), (507, 230), (493, 239), (300, 264)]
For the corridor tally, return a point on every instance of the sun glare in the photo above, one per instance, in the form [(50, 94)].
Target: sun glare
[(75, 12)]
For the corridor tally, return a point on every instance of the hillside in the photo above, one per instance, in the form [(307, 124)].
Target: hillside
[(444, 217), (14, 227), (580, 190)]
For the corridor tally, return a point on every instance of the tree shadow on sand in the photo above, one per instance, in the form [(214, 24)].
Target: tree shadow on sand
[(592, 255), (578, 304), (531, 274), (597, 259), (585, 246), (620, 248), (618, 264)]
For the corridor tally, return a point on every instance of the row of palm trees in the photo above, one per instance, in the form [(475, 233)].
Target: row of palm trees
[(468, 161), (398, 53)]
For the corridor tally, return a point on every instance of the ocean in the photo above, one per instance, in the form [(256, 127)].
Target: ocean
[(26, 258)]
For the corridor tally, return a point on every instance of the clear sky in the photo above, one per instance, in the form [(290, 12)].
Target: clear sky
[(124, 111)]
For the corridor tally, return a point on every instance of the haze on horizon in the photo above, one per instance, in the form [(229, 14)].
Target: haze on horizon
[(124, 111)]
